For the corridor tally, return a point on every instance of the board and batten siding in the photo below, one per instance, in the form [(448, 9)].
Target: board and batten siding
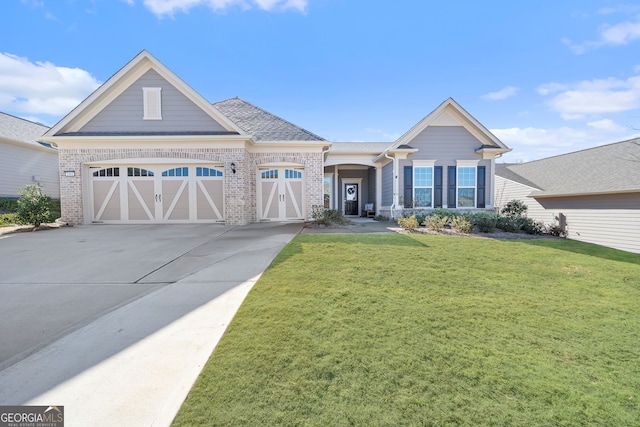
[(446, 145), (507, 190), (18, 166), (126, 112), (387, 185), (611, 220)]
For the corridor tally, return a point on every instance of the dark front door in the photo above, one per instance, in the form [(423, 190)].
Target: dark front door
[(351, 199)]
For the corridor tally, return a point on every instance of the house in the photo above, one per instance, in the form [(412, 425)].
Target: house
[(147, 148), (24, 159), (594, 192)]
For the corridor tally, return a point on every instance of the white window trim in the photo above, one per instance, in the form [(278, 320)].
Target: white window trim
[(422, 164), (152, 101), (330, 176), (467, 164)]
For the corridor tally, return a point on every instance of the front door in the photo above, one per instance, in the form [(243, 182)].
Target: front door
[(351, 199)]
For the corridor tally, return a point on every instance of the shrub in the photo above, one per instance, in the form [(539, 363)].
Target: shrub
[(515, 208), (408, 223), (33, 206), (435, 222), (442, 212), (485, 221), (327, 216), (556, 230), (8, 219), (531, 226), (8, 205), (462, 223), (420, 218), (510, 224)]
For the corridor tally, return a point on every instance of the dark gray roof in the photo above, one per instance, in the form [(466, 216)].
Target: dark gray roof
[(359, 147), (17, 129), (503, 170), (262, 125), (612, 168)]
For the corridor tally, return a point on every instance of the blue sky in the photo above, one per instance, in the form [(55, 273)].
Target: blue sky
[(546, 77)]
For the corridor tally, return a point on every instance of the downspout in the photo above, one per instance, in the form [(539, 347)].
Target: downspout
[(395, 182)]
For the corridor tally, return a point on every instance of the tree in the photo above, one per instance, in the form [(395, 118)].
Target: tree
[(33, 205)]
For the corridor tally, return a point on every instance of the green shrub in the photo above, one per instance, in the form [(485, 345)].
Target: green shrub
[(408, 223), (8, 205), (556, 230), (486, 221), (8, 219), (420, 218), (515, 208), (510, 224), (462, 223), (530, 226), (435, 222), (33, 206), (442, 212)]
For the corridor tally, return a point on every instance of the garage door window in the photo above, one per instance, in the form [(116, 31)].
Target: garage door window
[(176, 172), (138, 172), (107, 172), (207, 172)]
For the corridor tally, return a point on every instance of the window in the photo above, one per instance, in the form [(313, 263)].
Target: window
[(292, 174), (466, 186), (207, 172), (152, 101), (107, 172), (327, 191), (422, 196), (138, 172), (270, 174), (184, 171)]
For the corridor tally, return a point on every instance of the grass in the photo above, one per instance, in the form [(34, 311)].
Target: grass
[(419, 330)]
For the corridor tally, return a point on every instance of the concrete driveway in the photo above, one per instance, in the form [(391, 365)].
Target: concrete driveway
[(115, 322)]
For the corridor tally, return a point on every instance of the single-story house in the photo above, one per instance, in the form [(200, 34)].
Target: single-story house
[(24, 159), (595, 193), (147, 148)]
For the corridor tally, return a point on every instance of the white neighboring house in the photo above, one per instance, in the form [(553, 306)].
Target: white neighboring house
[(24, 160), (595, 191)]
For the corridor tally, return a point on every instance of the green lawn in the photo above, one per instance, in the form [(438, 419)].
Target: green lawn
[(411, 330)]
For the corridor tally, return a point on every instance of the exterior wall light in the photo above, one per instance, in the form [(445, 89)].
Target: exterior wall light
[(233, 167)]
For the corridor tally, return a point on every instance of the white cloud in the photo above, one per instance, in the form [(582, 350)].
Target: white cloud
[(504, 93), (531, 143), (162, 8), (386, 136), (41, 87), (607, 125), (609, 35), (598, 96)]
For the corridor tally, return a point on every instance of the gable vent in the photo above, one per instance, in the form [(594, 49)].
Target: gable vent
[(152, 99)]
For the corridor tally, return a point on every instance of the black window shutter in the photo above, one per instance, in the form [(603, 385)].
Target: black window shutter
[(451, 186), (408, 186), (481, 186), (437, 187)]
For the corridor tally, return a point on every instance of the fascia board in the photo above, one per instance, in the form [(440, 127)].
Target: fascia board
[(543, 195), (162, 141), (29, 145)]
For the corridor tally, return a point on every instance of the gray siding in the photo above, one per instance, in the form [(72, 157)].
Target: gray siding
[(18, 166), (446, 145), (125, 113), (387, 184), (507, 190)]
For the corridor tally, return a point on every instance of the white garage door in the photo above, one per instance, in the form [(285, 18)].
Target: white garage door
[(157, 193), (281, 193)]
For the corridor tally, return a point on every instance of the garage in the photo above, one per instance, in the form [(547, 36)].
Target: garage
[(161, 193), (280, 194)]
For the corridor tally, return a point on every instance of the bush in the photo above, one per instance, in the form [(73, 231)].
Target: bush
[(8, 219), (531, 226), (324, 216), (556, 230), (420, 218), (485, 221), (435, 222), (515, 208), (510, 224), (8, 205), (408, 223), (33, 206), (442, 213), (462, 223)]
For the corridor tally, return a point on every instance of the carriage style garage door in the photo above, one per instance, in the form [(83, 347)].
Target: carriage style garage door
[(130, 194), (280, 193)]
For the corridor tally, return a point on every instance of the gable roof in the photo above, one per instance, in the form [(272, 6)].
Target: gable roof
[(261, 124), (119, 82), (21, 131), (611, 168), (451, 113), (503, 170)]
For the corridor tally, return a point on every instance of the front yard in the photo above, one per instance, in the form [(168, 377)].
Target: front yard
[(391, 330)]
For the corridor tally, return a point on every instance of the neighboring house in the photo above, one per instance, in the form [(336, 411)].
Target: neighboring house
[(24, 159), (146, 148), (596, 192)]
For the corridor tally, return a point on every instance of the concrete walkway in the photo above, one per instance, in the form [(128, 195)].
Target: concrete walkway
[(135, 365)]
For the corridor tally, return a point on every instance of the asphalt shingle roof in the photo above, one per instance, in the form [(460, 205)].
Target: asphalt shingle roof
[(612, 168), (262, 125), (17, 129)]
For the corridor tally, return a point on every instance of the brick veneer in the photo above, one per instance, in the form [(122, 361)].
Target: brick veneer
[(240, 188)]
